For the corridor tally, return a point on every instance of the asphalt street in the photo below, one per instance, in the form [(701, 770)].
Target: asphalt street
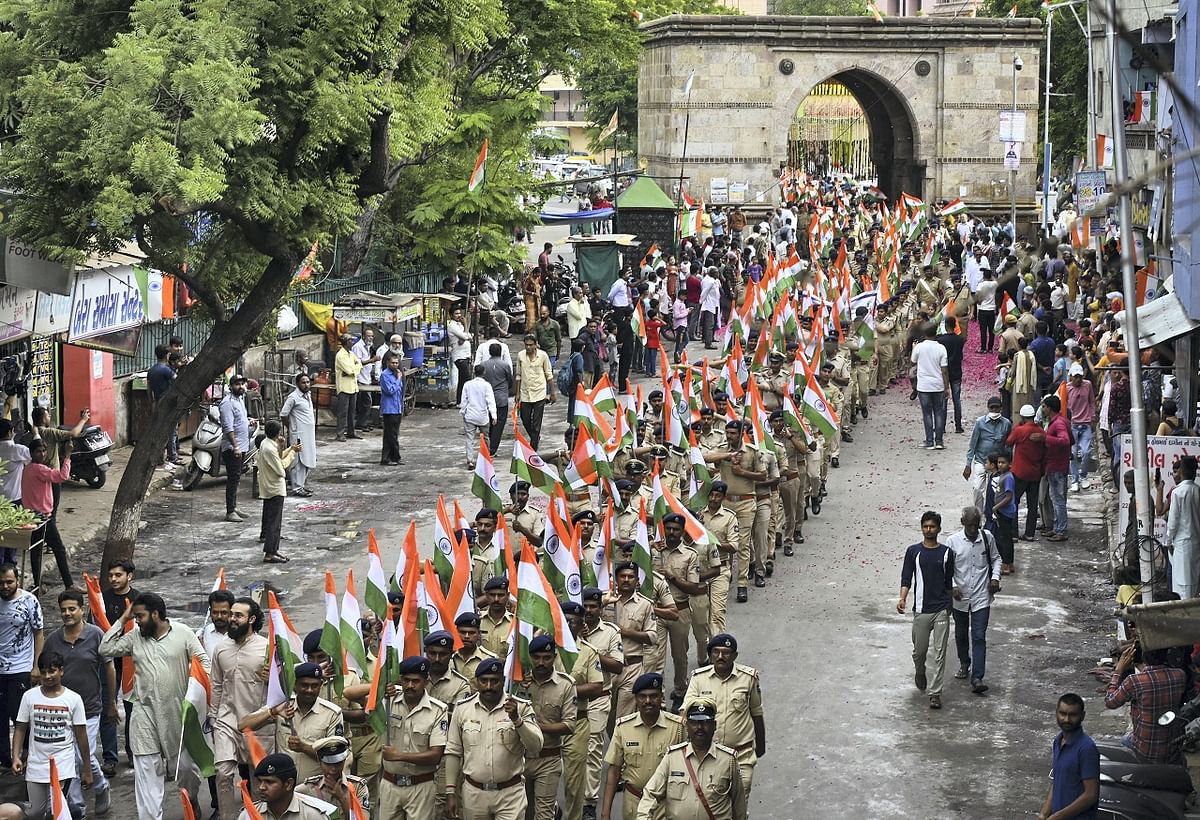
[(849, 735)]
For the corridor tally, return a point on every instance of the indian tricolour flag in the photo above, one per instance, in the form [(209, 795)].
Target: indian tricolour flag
[(603, 397), (816, 407), (331, 635), (58, 800), (195, 714), (588, 414), (641, 553), (350, 631), (953, 208), (695, 531), (527, 464), (376, 592), (638, 321), (583, 471), (408, 555), (484, 485), (560, 553), (701, 477), (538, 609), (480, 173), (598, 572), (452, 564), (284, 651)]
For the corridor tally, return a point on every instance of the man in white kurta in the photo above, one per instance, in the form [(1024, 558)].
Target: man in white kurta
[(162, 655), (1183, 531), (301, 418)]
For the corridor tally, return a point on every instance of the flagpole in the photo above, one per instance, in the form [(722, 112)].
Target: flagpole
[(687, 121)]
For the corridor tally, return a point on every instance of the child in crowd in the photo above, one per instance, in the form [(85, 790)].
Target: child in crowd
[(1003, 494)]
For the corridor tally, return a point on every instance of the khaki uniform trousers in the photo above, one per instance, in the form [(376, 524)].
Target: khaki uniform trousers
[(417, 802), (718, 601), (815, 470), (623, 700), (744, 510), (574, 761), (862, 379), (761, 530), (791, 497), (679, 633), (746, 761), (776, 523), (368, 757), (541, 786), (477, 804), (887, 366), (655, 657), (701, 630)]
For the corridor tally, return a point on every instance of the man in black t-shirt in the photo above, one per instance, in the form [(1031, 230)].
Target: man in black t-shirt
[(929, 568), (158, 380), (954, 344), (117, 596)]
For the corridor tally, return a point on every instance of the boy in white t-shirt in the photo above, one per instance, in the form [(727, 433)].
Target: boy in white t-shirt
[(53, 717)]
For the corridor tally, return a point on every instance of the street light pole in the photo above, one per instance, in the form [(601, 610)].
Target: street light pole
[(1047, 149), (1137, 411)]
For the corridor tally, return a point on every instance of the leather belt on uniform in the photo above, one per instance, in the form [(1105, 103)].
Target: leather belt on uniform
[(555, 752), (743, 497), (493, 787), (407, 779), (579, 496), (684, 604), (634, 790), (629, 659), (360, 731)]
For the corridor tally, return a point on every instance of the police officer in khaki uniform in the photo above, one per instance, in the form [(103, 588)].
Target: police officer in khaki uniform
[(445, 685), (365, 745), (523, 519), (585, 523), (489, 738), (735, 691), (655, 657), (483, 566), (629, 512), (552, 695), (709, 437), (680, 566), (496, 621), (861, 342), (841, 376), (408, 787), (589, 687), (740, 469), (833, 441), (639, 742), (302, 721), (633, 613), (606, 638), (791, 503), (275, 786), (763, 537), (466, 659), (700, 764), (885, 348), (334, 785), (722, 524)]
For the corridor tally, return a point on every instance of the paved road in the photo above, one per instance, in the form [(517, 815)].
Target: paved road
[(849, 736)]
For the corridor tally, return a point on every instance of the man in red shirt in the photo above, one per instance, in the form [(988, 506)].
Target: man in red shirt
[(1029, 456), (1057, 463)]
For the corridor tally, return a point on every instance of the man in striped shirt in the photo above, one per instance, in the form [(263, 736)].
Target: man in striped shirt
[(930, 566)]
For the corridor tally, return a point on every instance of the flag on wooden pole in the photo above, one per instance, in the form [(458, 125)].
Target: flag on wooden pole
[(480, 172)]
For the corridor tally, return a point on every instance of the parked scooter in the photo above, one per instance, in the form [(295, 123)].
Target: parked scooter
[(206, 450), (1132, 790), (89, 455)]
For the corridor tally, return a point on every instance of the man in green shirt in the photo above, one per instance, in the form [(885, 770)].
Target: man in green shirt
[(548, 333)]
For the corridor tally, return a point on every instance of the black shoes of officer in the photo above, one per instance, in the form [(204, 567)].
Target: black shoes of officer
[(846, 437), (833, 462), (816, 505), (742, 595), (759, 580), (589, 813), (788, 551), (770, 567), (864, 412)]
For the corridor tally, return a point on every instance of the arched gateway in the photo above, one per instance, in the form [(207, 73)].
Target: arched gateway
[(931, 91)]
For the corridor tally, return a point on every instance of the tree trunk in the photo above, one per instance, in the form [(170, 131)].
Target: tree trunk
[(228, 340), (354, 252)]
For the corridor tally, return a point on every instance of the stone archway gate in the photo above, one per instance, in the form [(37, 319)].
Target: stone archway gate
[(932, 88)]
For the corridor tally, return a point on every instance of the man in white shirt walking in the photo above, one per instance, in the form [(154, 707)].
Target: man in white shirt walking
[(710, 304), (478, 407), (933, 386), (976, 582)]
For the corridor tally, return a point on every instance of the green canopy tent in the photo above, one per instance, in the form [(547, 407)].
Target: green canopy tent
[(645, 211), (598, 258)]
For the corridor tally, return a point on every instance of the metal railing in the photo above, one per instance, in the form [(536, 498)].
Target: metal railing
[(195, 331)]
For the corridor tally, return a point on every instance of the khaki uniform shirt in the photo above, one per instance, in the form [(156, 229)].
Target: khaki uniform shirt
[(771, 464), (482, 569), (415, 730), (738, 699), (322, 720), (586, 670), (466, 666), (751, 460), (484, 745), (532, 520), (637, 748), (682, 562), (553, 702), (298, 809), (723, 525), (670, 789), (493, 633), (237, 691), (841, 364), (315, 787), (637, 614), (790, 443), (711, 440), (450, 688), (626, 521)]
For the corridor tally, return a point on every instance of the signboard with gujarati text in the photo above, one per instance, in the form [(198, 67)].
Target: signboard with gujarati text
[(103, 302)]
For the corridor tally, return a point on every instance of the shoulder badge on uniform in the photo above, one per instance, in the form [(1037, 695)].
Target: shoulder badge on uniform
[(670, 716), (727, 750), (704, 669), (460, 676), (437, 702), (628, 718), (749, 670), (678, 746)]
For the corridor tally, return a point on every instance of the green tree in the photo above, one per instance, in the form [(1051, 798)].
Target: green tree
[(1068, 77), (821, 8), (608, 78), (231, 137)]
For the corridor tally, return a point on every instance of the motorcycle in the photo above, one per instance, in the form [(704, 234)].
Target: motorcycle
[(1130, 790), (206, 450), (89, 456)]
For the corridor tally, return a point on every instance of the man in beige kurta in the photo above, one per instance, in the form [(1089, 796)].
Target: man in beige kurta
[(162, 655), (238, 689)]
